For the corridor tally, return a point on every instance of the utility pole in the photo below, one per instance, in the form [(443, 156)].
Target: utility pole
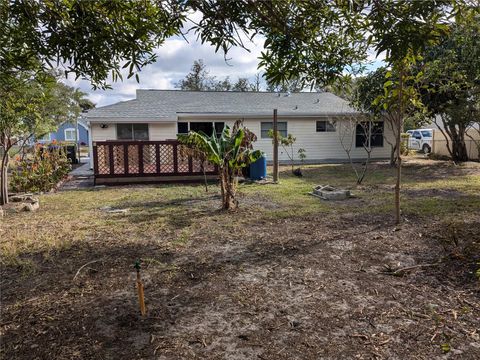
[(275, 146)]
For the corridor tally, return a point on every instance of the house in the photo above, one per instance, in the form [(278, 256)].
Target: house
[(315, 119), (66, 133)]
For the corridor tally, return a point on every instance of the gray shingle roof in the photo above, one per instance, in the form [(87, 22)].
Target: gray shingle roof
[(169, 104)]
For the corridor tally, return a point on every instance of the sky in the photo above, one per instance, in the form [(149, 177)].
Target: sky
[(174, 60)]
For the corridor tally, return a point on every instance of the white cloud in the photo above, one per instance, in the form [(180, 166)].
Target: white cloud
[(174, 60)]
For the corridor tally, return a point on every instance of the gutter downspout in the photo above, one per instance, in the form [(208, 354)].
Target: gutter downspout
[(77, 138), (90, 144)]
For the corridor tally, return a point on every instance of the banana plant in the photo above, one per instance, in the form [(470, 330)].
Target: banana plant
[(230, 152)]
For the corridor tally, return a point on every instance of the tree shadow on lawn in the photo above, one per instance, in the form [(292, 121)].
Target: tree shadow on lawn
[(97, 314), (178, 213), (185, 211)]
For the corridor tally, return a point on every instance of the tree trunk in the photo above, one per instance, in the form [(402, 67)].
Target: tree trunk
[(228, 190), (222, 187), (393, 152), (456, 146), (399, 172), (398, 142), (3, 179), (204, 175), (275, 146), (459, 149)]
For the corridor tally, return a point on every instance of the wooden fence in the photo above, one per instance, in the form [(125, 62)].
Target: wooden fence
[(146, 161)]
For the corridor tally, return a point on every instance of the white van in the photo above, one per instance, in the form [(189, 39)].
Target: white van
[(420, 139)]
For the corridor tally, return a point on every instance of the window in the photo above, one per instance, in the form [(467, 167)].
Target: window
[(219, 128), (417, 135), (326, 126), (132, 131), (267, 126), (182, 128), (426, 133), (70, 134), (374, 129), (205, 127)]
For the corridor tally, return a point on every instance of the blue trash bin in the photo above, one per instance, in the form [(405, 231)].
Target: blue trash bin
[(258, 169)]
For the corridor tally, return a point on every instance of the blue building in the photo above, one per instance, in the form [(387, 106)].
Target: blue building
[(66, 133)]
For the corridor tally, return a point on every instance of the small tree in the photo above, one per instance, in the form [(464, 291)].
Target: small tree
[(31, 105), (365, 98), (347, 133), (230, 152), (23, 102), (302, 155), (287, 144)]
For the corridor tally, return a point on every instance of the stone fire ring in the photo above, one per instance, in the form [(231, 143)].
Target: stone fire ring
[(327, 192)]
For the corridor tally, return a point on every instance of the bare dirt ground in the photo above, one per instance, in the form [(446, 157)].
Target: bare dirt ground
[(279, 279)]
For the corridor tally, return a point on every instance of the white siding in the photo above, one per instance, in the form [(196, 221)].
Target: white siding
[(318, 145), (166, 131), (99, 134), (156, 131)]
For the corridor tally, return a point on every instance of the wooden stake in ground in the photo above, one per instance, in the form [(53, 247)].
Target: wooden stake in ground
[(141, 295), (275, 146)]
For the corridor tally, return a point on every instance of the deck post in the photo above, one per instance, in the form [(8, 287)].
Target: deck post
[(125, 158), (110, 159), (140, 158), (175, 158), (157, 157), (95, 158)]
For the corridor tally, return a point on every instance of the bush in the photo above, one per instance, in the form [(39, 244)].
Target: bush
[(404, 144), (41, 170)]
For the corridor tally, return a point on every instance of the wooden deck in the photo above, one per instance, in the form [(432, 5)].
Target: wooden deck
[(126, 162)]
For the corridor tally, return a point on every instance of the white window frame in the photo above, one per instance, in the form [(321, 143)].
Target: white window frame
[(271, 122), (332, 123), (191, 122), (132, 124), (68, 130)]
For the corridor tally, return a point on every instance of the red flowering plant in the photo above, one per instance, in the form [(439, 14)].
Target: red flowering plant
[(41, 171)]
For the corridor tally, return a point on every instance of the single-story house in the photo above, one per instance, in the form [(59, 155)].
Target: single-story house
[(66, 133), (317, 119)]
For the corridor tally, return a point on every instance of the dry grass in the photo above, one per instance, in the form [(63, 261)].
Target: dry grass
[(76, 216)]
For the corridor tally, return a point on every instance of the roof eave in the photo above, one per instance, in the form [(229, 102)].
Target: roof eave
[(116, 119), (182, 115)]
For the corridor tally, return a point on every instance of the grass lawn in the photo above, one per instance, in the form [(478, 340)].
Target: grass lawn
[(287, 276)]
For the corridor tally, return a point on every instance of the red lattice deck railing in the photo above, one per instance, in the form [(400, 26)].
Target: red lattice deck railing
[(116, 162)]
